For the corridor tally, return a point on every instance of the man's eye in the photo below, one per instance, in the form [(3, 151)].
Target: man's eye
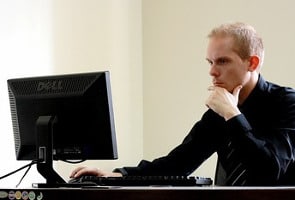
[(222, 61)]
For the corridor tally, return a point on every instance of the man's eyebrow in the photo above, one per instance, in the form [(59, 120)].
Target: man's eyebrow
[(209, 61), (219, 58)]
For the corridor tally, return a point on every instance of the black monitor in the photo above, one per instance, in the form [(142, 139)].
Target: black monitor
[(62, 117)]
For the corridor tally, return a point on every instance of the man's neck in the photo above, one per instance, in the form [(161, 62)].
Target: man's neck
[(248, 88)]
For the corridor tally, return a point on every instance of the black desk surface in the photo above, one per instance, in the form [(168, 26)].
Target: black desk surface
[(152, 193)]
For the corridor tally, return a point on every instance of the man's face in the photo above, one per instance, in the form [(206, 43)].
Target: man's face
[(227, 69)]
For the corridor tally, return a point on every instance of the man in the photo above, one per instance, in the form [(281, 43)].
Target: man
[(250, 122)]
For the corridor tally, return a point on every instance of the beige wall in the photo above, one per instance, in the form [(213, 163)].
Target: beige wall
[(25, 51)]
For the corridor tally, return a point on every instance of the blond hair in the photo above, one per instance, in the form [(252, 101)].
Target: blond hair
[(246, 40)]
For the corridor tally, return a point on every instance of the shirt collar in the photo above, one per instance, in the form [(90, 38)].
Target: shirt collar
[(261, 86)]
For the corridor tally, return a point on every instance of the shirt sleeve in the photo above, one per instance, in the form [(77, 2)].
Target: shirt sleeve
[(183, 159)]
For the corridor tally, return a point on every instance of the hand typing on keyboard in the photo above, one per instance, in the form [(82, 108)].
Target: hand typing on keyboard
[(143, 181), (82, 171), (97, 176)]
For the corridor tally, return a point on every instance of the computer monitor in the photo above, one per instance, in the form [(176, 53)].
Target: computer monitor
[(62, 117)]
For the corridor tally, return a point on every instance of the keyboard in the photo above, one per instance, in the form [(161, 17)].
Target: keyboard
[(143, 181)]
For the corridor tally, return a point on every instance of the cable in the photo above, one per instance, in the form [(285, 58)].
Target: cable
[(29, 167), (21, 168)]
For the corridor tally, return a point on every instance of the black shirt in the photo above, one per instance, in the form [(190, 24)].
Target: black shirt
[(263, 137)]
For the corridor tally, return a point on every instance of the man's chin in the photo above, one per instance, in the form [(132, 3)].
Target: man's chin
[(230, 90)]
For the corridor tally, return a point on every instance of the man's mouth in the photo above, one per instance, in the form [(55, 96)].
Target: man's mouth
[(217, 83)]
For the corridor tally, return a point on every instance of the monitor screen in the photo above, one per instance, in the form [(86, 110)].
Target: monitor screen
[(82, 107)]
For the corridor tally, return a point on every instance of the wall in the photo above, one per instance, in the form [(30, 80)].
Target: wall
[(25, 49), (175, 71)]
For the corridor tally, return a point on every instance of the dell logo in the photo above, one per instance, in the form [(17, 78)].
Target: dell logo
[(50, 85)]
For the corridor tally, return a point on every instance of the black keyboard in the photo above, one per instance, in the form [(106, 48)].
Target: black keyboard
[(143, 181)]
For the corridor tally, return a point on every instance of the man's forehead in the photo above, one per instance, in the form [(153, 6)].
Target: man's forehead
[(219, 47)]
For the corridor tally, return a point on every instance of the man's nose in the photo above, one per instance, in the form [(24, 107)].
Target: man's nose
[(213, 71)]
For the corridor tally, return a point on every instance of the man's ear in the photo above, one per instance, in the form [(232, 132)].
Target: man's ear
[(254, 63)]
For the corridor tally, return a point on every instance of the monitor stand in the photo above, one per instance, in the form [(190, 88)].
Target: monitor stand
[(44, 137)]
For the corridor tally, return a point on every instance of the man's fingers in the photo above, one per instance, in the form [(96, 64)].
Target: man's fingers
[(74, 172), (211, 88), (237, 90)]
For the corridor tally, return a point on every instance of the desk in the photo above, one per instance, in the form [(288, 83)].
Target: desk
[(155, 193)]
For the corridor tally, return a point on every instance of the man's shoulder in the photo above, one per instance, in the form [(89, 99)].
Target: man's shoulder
[(281, 91), (282, 98), (278, 90)]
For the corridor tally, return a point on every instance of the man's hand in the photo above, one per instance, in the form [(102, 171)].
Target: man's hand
[(223, 102), (80, 171)]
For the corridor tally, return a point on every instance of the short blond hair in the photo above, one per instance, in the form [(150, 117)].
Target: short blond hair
[(246, 40)]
